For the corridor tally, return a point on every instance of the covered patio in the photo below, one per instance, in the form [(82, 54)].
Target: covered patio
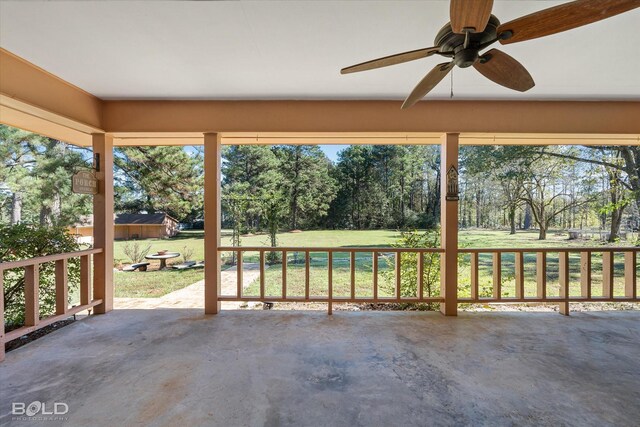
[(170, 367), (209, 366)]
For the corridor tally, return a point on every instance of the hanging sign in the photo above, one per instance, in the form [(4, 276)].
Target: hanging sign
[(84, 182), (452, 184)]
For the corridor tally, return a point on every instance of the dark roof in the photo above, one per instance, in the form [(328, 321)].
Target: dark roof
[(129, 219), (140, 219)]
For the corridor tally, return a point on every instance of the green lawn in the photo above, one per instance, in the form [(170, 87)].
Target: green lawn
[(157, 283)]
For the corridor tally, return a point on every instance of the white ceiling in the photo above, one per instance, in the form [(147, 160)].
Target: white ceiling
[(294, 50)]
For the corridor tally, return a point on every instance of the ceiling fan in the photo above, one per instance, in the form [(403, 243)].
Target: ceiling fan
[(473, 28)]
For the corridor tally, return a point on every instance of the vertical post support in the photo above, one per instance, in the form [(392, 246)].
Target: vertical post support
[(374, 273), (475, 282), (607, 274), (519, 275), (103, 223), (62, 290), (497, 275), (1, 315), (585, 275), (563, 271), (32, 295), (449, 227), (330, 282), (541, 275), (212, 260), (630, 280)]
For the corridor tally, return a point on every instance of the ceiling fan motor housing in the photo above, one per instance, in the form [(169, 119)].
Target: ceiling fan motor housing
[(453, 44)]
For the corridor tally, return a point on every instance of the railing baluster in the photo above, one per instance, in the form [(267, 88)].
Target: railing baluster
[(607, 274), (284, 274), (585, 274), (85, 280), (420, 256), (262, 275), (630, 279), (1, 315), (563, 278), (519, 267), (541, 274), (62, 292), (307, 267), (330, 282), (497, 275), (374, 268), (31, 294), (239, 279), (353, 274), (398, 278), (475, 257)]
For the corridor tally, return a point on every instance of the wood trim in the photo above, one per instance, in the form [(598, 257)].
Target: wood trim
[(47, 258), (475, 275), (630, 278), (563, 278), (212, 212), (31, 294), (307, 270), (62, 288), (374, 273), (2, 336), (284, 274), (262, 272), (239, 272), (550, 117), (607, 274), (352, 277), (585, 274), (519, 273), (103, 229), (448, 228), (39, 93), (497, 275), (326, 249), (541, 274), (330, 282)]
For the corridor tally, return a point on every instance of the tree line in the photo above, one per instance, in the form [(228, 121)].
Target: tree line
[(290, 187)]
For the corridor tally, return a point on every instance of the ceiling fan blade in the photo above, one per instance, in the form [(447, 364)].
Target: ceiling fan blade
[(472, 15), (562, 18), (427, 83), (501, 68), (398, 58)]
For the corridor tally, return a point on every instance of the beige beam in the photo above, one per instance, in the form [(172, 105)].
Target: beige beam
[(212, 211), (449, 228), (34, 91), (559, 117), (103, 223)]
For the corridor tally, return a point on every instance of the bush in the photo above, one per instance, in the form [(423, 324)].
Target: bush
[(24, 241), (409, 265), (135, 252), (187, 253)]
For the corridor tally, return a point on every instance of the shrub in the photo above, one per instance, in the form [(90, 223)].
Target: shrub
[(187, 253), (24, 241), (135, 251)]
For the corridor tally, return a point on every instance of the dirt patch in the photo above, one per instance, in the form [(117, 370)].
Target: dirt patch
[(295, 231), (26, 339)]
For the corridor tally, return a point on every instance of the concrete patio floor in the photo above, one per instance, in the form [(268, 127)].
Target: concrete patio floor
[(170, 367)]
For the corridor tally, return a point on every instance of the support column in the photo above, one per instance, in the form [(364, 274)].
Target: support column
[(212, 216), (449, 226), (103, 222)]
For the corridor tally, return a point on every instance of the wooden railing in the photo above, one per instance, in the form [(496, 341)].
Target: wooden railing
[(565, 296), (330, 298), (31, 291)]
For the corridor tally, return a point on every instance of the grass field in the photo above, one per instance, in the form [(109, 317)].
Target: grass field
[(157, 283)]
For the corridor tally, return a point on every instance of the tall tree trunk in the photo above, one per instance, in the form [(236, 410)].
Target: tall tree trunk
[(16, 208), (512, 219)]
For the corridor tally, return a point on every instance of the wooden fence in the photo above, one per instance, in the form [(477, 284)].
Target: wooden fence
[(33, 320)]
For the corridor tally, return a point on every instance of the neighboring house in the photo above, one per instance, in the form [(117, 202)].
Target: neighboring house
[(130, 226)]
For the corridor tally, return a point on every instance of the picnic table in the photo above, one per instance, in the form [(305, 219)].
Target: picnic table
[(163, 257)]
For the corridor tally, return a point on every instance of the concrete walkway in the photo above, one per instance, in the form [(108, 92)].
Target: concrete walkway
[(193, 295), (178, 367)]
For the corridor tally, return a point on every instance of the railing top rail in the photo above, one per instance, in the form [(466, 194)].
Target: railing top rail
[(47, 258), (324, 249), (551, 250)]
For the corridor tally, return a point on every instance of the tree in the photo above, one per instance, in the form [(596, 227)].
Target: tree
[(35, 173), (306, 180), (159, 179)]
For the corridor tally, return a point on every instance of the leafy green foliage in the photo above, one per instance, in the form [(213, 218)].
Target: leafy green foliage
[(409, 265), (25, 241), (159, 179)]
